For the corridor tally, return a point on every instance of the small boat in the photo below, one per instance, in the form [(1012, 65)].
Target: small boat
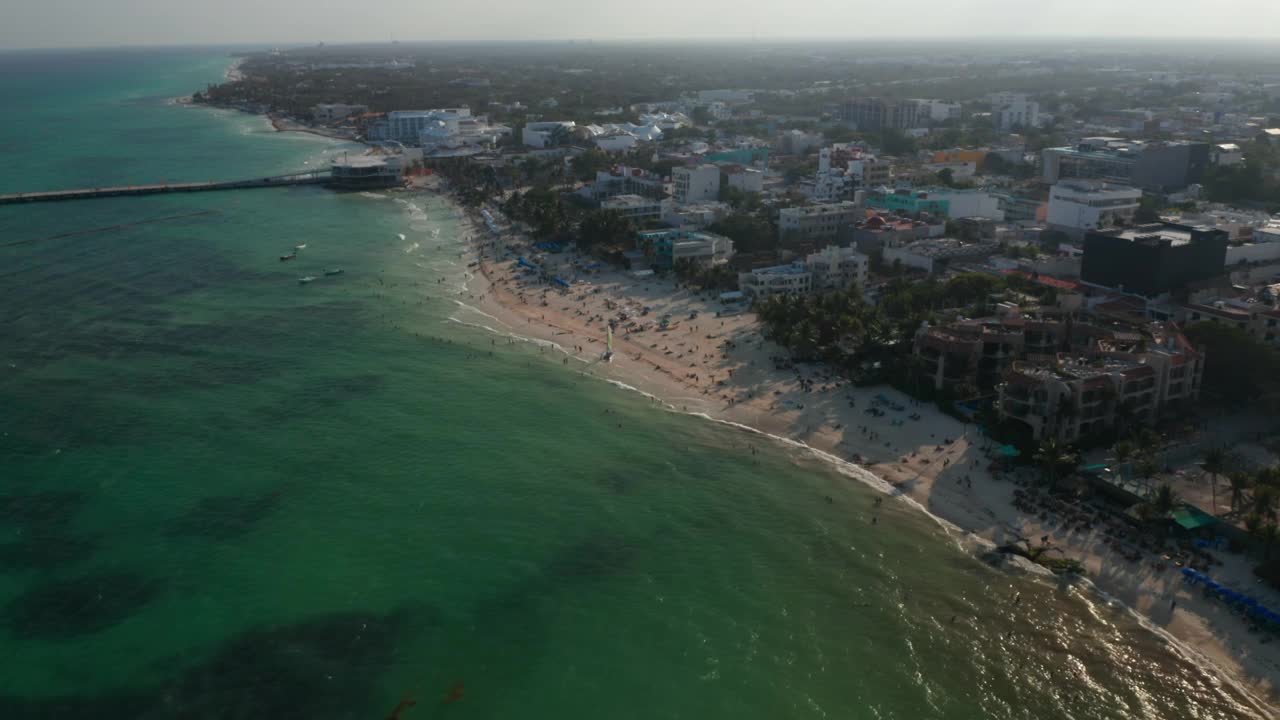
[(400, 235), (303, 246), (608, 353), (335, 271), (305, 280), (290, 256)]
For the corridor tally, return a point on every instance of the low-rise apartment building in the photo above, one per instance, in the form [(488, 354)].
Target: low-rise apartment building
[(946, 202), (811, 223), (935, 254), (666, 248), (832, 268), (406, 126), (1130, 377), (636, 208), (694, 184), (1078, 206), (882, 230), (1161, 166), (623, 180)]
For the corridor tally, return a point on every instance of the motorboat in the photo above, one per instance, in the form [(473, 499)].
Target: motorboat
[(334, 271), (307, 279), (290, 256)]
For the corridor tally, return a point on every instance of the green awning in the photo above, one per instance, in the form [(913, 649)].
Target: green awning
[(1191, 518)]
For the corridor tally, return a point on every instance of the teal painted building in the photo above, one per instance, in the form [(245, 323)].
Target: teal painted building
[(909, 202), (742, 156)]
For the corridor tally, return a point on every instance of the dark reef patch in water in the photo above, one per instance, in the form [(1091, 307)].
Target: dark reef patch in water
[(40, 509), (616, 482), (80, 606), (225, 517), (329, 667), (321, 395), (46, 549), (593, 558), (64, 418)]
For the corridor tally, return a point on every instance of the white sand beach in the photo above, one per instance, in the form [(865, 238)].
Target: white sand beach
[(723, 368)]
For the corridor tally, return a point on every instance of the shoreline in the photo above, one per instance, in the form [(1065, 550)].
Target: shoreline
[(743, 384), (278, 122)]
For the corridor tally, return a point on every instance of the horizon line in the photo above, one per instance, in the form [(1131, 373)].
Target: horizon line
[(879, 42)]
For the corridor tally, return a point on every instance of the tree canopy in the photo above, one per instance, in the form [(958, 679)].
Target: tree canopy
[(1238, 368)]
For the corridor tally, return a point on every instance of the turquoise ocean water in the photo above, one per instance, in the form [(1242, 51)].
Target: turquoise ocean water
[(225, 495)]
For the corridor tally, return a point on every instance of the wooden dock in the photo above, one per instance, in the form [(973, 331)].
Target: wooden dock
[(308, 178)]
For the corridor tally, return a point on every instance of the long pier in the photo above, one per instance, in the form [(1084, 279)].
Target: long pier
[(314, 177)]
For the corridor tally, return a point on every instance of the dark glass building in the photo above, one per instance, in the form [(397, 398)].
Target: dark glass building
[(1153, 259)]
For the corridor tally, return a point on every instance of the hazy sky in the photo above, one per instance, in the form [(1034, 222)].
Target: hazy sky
[(57, 23)]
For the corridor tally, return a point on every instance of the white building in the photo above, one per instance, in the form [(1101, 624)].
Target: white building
[(623, 180), (406, 126), (669, 248), (748, 180), (452, 132), (837, 268), (1010, 109), (665, 120), (938, 110), (702, 248), (832, 268), (793, 279), (694, 215), (692, 184), (543, 134), (1226, 154), (613, 142), (333, 112), (796, 142), (1079, 206), (814, 222), (1270, 232), (967, 203), (1264, 248), (634, 207), (934, 254)]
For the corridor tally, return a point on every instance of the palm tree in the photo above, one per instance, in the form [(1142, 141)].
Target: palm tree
[(1147, 468), (1053, 457), (1124, 451), (1164, 500), (1215, 463), (1240, 482), (1265, 499), (1148, 441)]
